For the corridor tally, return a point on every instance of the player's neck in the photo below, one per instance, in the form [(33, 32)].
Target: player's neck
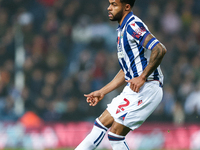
[(125, 14)]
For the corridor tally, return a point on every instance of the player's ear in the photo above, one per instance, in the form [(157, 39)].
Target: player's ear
[(127, 7)]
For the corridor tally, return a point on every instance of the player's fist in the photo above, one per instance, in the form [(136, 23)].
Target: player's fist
[(136, 83)]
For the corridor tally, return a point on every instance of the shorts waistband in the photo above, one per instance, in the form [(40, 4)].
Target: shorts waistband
[(156, 81)]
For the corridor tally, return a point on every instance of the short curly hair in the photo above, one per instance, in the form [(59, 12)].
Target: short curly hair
[(130, 2)]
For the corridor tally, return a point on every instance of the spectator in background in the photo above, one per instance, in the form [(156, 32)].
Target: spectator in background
[(178, 114), (168, 100), (192, 103), (170, 21), (62, 38)]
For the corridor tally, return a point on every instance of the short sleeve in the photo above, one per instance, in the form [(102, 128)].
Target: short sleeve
[(138, 31)]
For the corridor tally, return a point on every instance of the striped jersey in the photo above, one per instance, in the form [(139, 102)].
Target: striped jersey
[(132, 56)]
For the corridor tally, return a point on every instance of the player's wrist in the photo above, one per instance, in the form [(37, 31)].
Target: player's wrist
[(144, 77), (102, 92)]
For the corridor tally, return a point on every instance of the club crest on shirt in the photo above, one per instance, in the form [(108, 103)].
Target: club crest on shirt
[(120, 52)]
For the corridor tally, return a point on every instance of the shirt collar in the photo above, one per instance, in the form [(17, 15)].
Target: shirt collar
[(125, 20)]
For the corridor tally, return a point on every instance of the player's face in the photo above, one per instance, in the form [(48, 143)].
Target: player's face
[(115, 10)]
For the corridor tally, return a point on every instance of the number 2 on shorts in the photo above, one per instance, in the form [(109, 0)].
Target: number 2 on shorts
[(124, 105)]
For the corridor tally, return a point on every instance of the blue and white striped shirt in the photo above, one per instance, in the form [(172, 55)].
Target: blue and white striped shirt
[(133, 57)]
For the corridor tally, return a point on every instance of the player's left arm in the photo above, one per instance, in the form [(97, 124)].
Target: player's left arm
[(157, 54), (158, 51)]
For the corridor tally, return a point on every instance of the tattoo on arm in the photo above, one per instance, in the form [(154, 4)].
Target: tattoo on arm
[(156, 57)]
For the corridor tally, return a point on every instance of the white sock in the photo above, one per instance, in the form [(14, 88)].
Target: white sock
[(117, 141), (94, 138)]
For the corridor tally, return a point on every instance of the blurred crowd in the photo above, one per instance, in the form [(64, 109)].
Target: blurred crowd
[(70, 50)]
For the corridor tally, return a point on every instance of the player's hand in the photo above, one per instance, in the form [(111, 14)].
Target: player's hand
[(136, 83), (94, 97)]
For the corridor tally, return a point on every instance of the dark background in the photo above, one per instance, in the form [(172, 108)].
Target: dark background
[(70, 50)]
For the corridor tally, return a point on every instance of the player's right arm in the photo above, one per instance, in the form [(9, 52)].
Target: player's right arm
[(96, 96)]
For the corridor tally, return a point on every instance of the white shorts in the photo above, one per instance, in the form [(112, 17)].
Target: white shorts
[(131, 109)]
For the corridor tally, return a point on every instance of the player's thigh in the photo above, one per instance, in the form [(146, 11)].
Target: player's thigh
[(119, 129), (106, 119)]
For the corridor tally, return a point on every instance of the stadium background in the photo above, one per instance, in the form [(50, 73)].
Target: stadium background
[(54, 51)]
